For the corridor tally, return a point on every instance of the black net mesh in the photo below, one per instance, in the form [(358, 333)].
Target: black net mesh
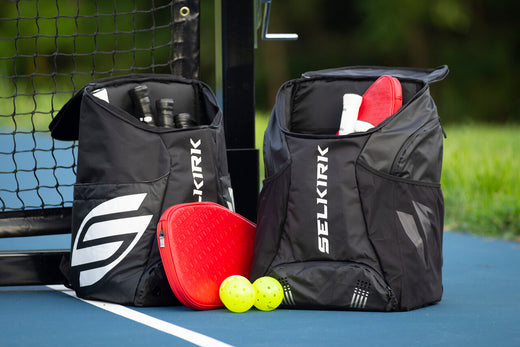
[(48, 50)]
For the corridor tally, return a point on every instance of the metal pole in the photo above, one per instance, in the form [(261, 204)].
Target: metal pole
[(235, 85)]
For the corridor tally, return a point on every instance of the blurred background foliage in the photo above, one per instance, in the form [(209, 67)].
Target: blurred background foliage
[(478, 39)]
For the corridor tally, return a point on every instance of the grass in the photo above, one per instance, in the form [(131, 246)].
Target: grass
[(261, 120), (480, 179)]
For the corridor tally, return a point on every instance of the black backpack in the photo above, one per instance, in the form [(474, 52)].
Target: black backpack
[(128, 174), (354, 221)]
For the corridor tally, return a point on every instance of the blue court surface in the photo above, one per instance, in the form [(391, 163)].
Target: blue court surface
[(480, 307)]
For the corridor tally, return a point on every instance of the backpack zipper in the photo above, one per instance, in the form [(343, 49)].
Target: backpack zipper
[(161, 238)]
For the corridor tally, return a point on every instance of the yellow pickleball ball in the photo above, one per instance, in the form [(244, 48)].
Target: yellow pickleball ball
[(269, 293), (237, 293)]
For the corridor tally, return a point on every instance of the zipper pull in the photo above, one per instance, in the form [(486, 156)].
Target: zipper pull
[(161, 238)]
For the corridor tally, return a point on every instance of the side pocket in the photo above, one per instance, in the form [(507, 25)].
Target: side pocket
[(405, 224), (420, 157), (113, 228), (272, 210), (333, 285)]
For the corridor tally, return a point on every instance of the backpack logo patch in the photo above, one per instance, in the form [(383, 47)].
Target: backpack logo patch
[(412, 231), (106, 235)]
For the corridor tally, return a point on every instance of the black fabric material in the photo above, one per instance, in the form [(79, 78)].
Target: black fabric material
[(416, 278), (332, 207), (331, 285), (128, 174), (425, 75)]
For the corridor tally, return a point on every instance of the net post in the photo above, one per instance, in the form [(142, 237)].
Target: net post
[(234, 27)]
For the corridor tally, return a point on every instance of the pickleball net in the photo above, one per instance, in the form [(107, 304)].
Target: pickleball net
[(48, 50)]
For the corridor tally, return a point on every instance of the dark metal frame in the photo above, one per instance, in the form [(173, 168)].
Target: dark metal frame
[(235, 35)]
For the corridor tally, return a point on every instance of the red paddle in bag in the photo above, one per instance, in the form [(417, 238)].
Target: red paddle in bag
[(380, 101), (201, 244)]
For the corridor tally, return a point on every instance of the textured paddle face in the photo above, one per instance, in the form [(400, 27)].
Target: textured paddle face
[(206, 244), (381, 100)]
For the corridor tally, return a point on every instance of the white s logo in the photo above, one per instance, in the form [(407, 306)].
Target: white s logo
[(103, 239)]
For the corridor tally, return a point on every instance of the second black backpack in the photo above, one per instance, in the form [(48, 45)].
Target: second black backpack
[(352, 222)]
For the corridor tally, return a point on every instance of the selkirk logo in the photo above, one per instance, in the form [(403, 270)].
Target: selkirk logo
[(106, 235), (196, 168), (322, 222)]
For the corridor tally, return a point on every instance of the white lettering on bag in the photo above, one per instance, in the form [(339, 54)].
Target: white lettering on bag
[(321, 200), (196, 169)]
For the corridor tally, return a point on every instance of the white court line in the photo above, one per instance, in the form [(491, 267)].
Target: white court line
[(169, 328)]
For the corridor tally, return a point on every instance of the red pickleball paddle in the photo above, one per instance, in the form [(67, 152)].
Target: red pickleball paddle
[(201, 244), (381, 100)]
